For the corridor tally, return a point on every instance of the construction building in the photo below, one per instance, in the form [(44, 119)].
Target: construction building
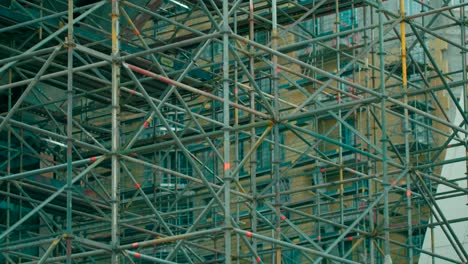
[(243, 131)]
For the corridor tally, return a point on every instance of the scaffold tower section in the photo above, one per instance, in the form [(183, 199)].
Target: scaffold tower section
[(244, 131)]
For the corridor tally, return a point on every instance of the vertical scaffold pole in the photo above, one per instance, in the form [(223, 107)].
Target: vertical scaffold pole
[(276, 134), (404, 77), (227, 141), (115, 132), (386, 220), (69, 45), (253, 157)]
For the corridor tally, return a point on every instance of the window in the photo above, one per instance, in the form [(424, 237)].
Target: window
[(346, 246), (262, 36), (418, 240), (326, 25), (284, 186), (412, 8), (418, 54), (421, 134), (184, 165), (260, 246), (305, 28), (348, 136), (242, 152), (210, 216), (212, 51), (147, 175), (346, 19), (160, 27), (264, 82), (264, 155), (181, 217), (268, 214), (418, 124), (292, 256), (178, 162), (177, 118), (265, 151), (208, 160)]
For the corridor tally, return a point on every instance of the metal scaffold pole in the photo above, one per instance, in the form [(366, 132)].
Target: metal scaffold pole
[(69, 45), (384, 139), (226, 91), (115, 133), (276, 159)]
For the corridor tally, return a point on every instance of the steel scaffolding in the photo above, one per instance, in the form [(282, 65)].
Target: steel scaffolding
[(246, 131)]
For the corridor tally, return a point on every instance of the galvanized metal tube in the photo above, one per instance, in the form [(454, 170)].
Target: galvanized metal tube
[(384, 139), (115, 137), (406, 129), (226, 136), (69, 45)]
